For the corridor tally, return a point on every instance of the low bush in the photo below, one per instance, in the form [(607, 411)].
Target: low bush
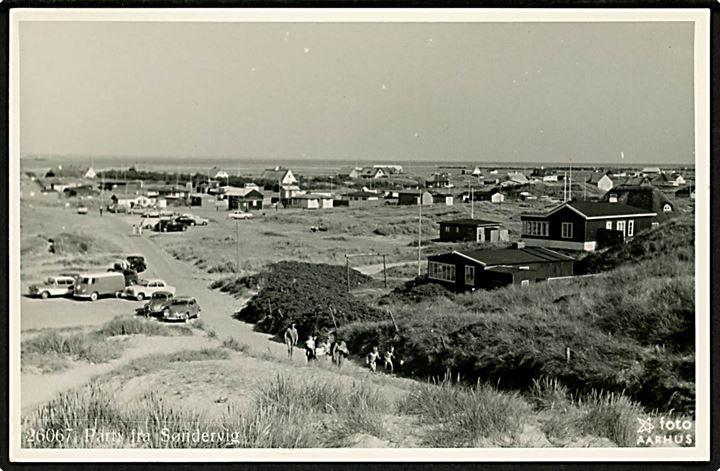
[(416, 290)]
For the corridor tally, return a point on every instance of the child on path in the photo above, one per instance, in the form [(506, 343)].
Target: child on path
[(372, 359), (310, 349), (389, 355)]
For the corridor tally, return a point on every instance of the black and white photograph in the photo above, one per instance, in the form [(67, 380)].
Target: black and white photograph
[(387, 235)]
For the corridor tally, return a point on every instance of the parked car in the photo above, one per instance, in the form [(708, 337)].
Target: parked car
[(180, 308), (82, 210), (96, 285), (169, 226), (146, 288), (153, 213), (53, 286), (155, 306), (137, 210), (239, 214), (137, 263), (114, 208), (192, 220)]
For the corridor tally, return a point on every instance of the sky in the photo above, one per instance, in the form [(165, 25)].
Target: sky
[(516, 92)]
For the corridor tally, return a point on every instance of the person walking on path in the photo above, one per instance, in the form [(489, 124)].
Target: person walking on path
[(340, 353), (291, 339), (372, 358), (310, 348), (389, 355)]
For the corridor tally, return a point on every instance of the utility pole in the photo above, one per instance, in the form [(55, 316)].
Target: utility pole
[(472, 203), (237, 246), (384, 272), (347, 271), (419, 232)]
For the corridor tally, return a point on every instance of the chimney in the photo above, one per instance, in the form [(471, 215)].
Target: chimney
[(518, 245), (613, 198)]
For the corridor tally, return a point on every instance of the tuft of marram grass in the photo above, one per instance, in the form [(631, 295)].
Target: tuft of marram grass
[(91, 346), (233, 344), (166, 424), (459, 416), (612, 416)]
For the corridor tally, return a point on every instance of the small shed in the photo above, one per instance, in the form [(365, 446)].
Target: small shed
[(472, 230), (407, 198)]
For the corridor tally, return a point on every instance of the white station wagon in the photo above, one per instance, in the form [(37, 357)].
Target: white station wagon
[(146, 288), (53, 286)]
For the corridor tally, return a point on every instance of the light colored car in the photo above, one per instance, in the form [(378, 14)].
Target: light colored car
[(53, 286), (192, 220), (182, 308), (146, 289), (82, 210), (240, 215), (137, 210), (151, 214)]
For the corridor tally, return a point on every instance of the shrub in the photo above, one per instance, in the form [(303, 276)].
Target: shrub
[(314, 296), (416, 290)]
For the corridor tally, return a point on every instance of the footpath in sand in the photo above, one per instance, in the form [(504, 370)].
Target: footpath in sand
[(217, 311)]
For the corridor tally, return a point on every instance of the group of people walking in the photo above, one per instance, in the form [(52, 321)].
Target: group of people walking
[(337, 350), (387, 357), (329, 348)]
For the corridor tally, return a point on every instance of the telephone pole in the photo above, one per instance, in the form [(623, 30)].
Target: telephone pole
[(237, 246), (419, 232)]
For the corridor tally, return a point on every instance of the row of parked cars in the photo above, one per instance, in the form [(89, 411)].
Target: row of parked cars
[(166, 221), (121, 281)]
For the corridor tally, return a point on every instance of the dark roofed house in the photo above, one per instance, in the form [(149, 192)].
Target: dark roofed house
[(279, 176), (439, 180), (645, 197), (80, 191), (442, 198), (246, 199), (686, 192), (584, 225), (472, 230), (493, 268)]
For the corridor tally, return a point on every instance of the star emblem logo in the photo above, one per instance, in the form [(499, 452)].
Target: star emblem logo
[(646, 425)]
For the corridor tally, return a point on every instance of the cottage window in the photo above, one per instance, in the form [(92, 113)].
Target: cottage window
[(621, 227), (667, 208), (524, 282), (630, 228), (536, 228), (608, 225), (567, 230), (441, 271), (470, 275)]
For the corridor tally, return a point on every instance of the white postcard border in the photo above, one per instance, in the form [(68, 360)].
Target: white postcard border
[(701, 20)]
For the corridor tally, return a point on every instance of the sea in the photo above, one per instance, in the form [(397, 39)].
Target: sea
[(255, 166)]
